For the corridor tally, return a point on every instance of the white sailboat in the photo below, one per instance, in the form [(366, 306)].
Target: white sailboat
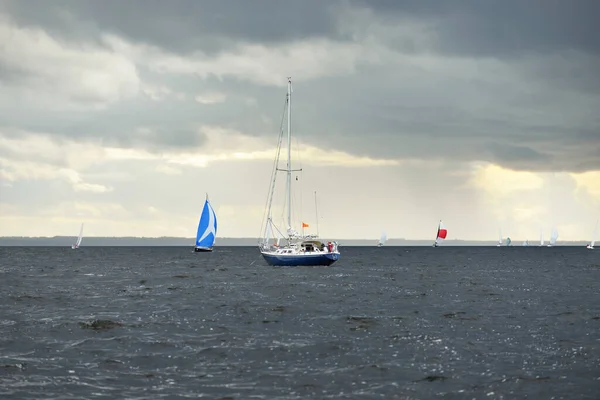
[(79, 239), (591, 245), (382, 239), (526, 243), (499, 238), (299, 249), (207, 229), (553, 237), (541, 237), (441, 234)]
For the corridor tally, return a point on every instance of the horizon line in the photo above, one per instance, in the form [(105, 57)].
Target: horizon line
[(191, 238)]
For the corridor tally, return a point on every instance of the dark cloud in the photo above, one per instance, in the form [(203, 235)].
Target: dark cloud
[(500, 28), (551, 131), (463, 27), (180, 26), (542, 117)]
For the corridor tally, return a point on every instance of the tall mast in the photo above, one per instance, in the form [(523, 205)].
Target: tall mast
[(289, 159), (317, 213)]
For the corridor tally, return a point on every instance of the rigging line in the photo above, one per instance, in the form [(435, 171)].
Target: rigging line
[(273, 175), (274, 171), (278, 231), (316, 213), (298, 145)]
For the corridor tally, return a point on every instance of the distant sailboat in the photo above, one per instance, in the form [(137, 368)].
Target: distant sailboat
[(526, 243), (79, 239), (591, 245), (382, 240), (207, 229), (442, 232), (499, 238), (541, 237), (553, 237), (508, 241)]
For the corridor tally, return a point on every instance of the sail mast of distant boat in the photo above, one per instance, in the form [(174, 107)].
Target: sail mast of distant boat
[(499, 238), (441, 234), (591, 245), (553, 236), (79, 238), (382, 239)]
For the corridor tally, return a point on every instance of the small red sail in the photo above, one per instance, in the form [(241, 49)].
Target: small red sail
[(442, 233)]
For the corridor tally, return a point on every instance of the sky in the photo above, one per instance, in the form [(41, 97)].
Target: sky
[(123, 115)]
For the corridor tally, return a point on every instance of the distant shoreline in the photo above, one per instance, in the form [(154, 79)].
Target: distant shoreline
[(16, 241)]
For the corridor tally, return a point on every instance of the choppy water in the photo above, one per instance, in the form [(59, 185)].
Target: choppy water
[(392, 323)]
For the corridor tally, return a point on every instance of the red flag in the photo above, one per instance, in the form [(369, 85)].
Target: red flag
[(304, 225)]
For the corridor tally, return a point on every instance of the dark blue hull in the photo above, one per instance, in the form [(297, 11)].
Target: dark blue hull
[(281, 260), (202, 249)]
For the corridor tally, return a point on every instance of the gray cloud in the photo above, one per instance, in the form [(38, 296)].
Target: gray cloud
[(180, 26), (465, 27), (535, 110), (500, 28)]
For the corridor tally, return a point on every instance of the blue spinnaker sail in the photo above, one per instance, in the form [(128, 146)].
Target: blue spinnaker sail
[(207, 228)]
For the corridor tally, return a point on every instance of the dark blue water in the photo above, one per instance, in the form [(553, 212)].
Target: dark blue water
[(395, 322)]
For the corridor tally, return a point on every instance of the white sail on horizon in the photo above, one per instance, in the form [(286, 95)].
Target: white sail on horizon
[(553, 236), (382, 239), (79, 238)]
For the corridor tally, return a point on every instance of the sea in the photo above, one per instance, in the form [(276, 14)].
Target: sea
[(381, 323)]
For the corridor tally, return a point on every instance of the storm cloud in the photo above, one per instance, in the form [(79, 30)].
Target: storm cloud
[(399, 85)]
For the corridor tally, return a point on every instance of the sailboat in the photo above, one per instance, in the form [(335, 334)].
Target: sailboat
[(499, 238), (442, 232), (79, 239), (207, 229), (553, 237), (526, 243), (508, 241), (299, 249), (591, 245), (382, 239), (541, 237)]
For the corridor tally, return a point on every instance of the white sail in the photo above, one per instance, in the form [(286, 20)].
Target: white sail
[(499, 237), (541, 237), (382, 239), (553, 236), (591, 245), (441, 234), (79, 238)]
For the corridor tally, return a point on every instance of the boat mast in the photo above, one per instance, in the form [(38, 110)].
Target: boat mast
[(289, 159), (437, 233), (317, 213)]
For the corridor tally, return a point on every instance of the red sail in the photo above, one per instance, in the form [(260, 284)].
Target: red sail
[(442, 233)]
